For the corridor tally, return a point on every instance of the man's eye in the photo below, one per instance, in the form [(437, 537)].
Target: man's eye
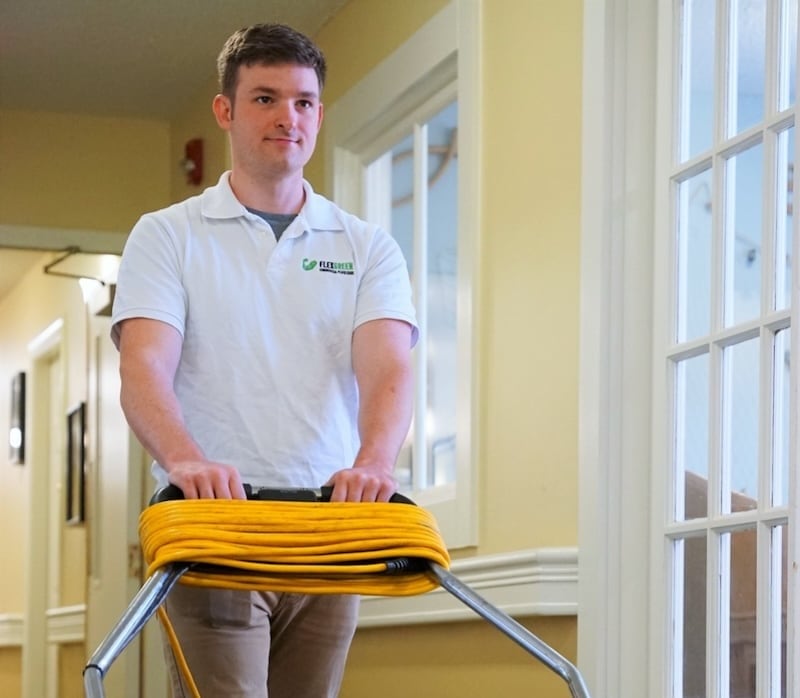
[(305, 104), (263, 99)]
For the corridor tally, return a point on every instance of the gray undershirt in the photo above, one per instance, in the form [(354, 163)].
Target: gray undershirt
[(277, 221)]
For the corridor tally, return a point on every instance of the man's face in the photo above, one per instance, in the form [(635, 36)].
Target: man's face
[(273, 119)]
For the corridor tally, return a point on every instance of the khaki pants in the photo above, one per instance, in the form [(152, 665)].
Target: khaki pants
[(242, 644)]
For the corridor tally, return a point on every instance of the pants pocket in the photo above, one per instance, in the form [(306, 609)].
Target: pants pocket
[(217, 608)]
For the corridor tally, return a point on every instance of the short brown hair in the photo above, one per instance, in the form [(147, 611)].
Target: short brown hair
[(267, 44)]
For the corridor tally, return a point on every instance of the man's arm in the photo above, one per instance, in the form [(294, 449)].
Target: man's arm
[(149, 354), (382, 366)]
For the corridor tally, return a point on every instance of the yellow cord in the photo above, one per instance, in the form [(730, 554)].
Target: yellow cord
[(300, 547)]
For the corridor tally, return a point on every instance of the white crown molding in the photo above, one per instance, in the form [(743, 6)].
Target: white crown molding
[(541, 581)]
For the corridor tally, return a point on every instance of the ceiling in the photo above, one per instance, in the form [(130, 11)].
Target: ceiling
[(143, 58), (125, 58)]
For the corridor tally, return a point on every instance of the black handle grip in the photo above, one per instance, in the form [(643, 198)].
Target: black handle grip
[(269, 494)]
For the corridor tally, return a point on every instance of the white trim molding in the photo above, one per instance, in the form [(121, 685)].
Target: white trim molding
[(11, 625), (541, 581), (66, 624), (616, 370)]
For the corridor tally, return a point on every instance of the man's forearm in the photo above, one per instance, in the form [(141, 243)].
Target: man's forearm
[(382, 367), (154, 415), (384, 418)]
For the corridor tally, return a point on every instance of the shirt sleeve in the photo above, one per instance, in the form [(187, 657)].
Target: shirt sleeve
[(149, 281), (385, 288)]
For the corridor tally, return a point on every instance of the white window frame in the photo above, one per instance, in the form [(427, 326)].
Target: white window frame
[(615, 591), (622, 641), (437, 64)]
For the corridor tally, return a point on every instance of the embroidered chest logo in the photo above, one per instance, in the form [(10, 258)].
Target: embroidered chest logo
[(332, 267)]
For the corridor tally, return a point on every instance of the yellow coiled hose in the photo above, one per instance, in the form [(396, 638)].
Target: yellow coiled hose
[(299, 547)]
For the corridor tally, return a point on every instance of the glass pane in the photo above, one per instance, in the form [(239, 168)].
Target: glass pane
[(784, 187), (743, 236), (403, 197), (747, 50), (691, 438), (778, 556), (742, 618), (780, 418), (697, 78), (693, 635), (442, 288), (740, 407), (694, 257), (788, 57)]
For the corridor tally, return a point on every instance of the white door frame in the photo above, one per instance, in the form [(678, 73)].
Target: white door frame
[(46, 347)]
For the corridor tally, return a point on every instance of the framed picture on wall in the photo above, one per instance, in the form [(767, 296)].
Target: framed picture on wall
[(76, 463), (16, 430)]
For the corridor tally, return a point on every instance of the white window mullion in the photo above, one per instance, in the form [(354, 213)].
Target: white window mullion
[(378, 192), (719, 424), (724, 92), (728, 17), (766, 630), (726, 174), (420, 284), (719, 600), (676, 600), (773, 57)]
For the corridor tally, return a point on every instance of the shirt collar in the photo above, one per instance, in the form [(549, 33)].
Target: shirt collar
[(317, 215)]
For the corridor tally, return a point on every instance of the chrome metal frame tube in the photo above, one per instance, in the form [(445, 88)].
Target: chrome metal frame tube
[(517, 632), (139, 611), (157, 587)]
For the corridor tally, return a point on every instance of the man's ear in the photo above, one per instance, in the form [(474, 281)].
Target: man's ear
[(321, 114), (223, 111)]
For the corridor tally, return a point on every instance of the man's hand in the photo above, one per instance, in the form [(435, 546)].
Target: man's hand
[(207, 480), (362, 483)]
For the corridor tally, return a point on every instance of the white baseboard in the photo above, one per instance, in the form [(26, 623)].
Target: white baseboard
[(541, 581), (11, 625), (66, 624)]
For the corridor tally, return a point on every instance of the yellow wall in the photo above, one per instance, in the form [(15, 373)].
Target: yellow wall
[(78, 171), (10, 672), (531, 233), (197, 121), (469, 659), (71, 661)]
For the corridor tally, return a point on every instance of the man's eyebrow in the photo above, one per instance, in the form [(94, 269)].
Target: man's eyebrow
[(271, 91)]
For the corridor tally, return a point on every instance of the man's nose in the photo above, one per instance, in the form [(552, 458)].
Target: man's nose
[(286, 115)]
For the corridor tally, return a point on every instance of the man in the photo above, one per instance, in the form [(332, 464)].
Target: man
[(265, 338)]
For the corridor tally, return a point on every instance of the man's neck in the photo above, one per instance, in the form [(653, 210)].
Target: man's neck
[(285, 195)]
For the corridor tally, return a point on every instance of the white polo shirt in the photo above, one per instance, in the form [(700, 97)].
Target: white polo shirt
[(265, 378)]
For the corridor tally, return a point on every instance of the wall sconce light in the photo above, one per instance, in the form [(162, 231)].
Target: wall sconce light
[(96, 273), (192, 163)]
